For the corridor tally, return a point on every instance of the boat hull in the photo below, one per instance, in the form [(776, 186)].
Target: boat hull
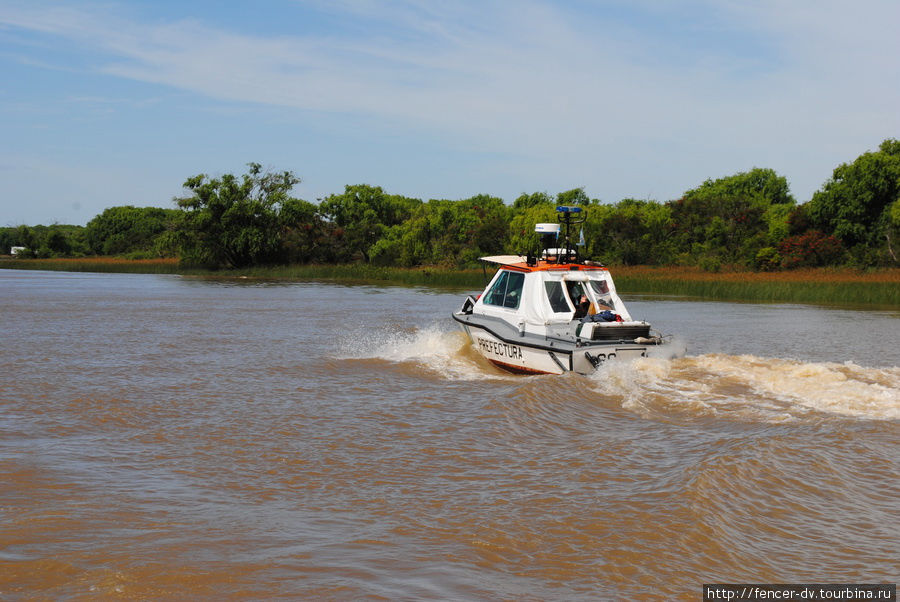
[(524, 354), (517, 357)]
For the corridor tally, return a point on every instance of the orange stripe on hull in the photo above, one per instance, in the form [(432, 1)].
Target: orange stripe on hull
[(516, 369)]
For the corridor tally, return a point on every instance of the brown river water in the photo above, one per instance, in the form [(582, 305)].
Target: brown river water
[(172, 438)]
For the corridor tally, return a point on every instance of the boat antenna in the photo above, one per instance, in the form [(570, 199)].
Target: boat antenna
[(567, 215)]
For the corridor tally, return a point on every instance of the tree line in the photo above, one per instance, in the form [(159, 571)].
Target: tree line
[(747, 220)]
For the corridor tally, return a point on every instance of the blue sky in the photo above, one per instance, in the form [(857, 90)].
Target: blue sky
[(118, 103)]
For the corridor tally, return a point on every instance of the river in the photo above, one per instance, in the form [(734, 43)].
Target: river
[(166, 437)]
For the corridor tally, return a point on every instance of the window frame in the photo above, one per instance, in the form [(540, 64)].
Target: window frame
[(563, 294), (503, 281)]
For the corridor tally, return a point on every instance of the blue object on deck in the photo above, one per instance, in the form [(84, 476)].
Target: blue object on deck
[(603, 316)]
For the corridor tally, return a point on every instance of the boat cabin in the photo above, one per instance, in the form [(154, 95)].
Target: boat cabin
[(547, 295)]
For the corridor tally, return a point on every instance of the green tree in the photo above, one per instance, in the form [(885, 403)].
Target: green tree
[(362, 215), (56, 240), (234, 222), (25, 237), (304, 234), (758, 182), (855, 204), (892, 233), (777, 219), (442, 232), (731, 219), (525, 201), (573, 197), (629, 232), (127, 229), (7, 240)]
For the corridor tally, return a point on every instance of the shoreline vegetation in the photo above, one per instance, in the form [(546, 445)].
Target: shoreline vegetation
[(874, 289), (748, 221)]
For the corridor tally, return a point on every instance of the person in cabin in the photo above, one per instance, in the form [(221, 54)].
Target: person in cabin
[(579, 298), (585, 307)]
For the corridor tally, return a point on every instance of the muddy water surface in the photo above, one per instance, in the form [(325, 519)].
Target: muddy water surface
[(163, 437)]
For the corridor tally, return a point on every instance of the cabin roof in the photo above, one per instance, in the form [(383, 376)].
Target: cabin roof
[(519, 263)]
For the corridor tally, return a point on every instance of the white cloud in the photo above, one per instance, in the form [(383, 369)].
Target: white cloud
[(572, 96)]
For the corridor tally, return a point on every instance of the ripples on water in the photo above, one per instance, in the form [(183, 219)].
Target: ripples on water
[(162, 437)]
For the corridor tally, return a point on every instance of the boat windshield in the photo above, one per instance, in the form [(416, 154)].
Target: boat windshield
[(506, 291)]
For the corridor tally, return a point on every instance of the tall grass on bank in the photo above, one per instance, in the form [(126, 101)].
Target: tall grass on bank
[(367, 274), (351, 273), (96, 264), (820, 286), (827, 286)]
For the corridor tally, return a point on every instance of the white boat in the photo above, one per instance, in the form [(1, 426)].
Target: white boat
[(553, 312)]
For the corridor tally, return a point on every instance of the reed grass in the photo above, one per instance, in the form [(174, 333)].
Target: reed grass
[(844, 287), (363, 274), (96, 264), (827, 286), (350, 273)]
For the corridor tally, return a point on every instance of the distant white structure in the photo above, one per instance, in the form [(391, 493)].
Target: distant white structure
[(16, 250)]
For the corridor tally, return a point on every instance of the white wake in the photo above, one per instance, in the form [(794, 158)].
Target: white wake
[(779, 389)]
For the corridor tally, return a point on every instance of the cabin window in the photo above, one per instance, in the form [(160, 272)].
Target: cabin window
[(601, 290), (507, 290), (557, 297), (600, 287)]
